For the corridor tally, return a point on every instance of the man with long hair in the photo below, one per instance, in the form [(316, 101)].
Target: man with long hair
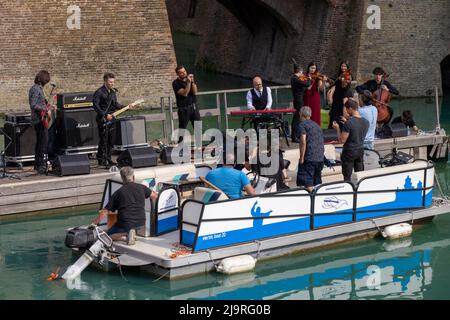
[(38, 106)]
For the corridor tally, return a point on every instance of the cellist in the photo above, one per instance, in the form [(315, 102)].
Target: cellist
[(381, 90)]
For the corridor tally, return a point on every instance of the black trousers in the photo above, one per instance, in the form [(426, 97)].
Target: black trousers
[(352, 159), (295, 122), (187, 114), (105, 145), (40, 148)]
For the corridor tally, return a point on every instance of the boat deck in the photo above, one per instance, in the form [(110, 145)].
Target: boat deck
[(164, 256)]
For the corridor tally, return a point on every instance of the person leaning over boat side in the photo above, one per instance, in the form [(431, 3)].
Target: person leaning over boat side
[(129, 201), (369, 112), (407, 119), (230, 180), (185, 90), (310, 163), (298, 85), (352, 136), (105, 104), (38, 104)]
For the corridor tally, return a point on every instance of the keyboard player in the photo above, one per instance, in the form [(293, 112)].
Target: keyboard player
[(259, 98)]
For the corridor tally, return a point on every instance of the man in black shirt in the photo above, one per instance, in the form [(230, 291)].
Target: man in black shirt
[(105, 104), (298, 87), (129, 201), (353, 133), (185, 90)]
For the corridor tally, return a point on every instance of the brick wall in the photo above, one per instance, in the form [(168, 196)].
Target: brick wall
[(413, 40), (130, 38)]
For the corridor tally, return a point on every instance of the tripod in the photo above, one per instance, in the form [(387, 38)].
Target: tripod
[(4, 173)]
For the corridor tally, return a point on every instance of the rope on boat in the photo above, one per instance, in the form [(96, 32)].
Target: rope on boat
[(440, 188), (259, 249), (210, 257), (165, 274), (373, 221)]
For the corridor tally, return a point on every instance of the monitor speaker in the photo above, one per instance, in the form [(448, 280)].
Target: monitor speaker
[(130, 131), (138, 158), (76, 128), (19, 139), (68, 165), (166, 155)]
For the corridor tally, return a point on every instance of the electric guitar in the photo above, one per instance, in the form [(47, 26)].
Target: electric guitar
[(46, 118), (115, 114)]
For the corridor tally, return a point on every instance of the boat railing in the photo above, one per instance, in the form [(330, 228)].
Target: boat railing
[(329, 205)]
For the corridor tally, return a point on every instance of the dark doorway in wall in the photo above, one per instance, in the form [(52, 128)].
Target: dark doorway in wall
[(192, 8), (445, 70)]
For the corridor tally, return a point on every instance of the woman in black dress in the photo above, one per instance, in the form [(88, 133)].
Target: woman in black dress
[(341, 93)]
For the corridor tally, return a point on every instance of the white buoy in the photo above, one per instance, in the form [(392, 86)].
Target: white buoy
[(236, 264), (396, 231)]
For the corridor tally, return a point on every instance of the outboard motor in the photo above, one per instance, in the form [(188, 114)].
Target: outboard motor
[(92, 238)]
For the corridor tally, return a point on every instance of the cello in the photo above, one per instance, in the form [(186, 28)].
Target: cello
[(381, 98)]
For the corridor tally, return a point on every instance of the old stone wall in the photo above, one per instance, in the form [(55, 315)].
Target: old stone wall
[(413, 40), (130, 38)]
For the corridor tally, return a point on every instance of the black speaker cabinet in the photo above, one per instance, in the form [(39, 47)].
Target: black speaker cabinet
[(399, 130), (76, 128), (138, 158), (329, 135), (19, 137), (166, 155), (130, 132), (69, 165)]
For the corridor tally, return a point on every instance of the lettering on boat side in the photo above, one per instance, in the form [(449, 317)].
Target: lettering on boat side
[(333, 203)]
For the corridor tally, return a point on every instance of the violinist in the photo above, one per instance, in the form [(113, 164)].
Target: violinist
[(312, 96), (299, 83), (381, 90), (340, 94)]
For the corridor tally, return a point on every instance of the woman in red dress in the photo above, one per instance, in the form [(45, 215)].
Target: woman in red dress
[(312, 95)]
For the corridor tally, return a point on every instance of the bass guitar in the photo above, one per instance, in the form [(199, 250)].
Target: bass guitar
[(120, 111)]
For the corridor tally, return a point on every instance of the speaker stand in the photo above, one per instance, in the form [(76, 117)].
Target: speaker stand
[(4, 174)]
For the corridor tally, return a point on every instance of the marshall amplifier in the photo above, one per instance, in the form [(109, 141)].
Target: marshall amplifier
[(19, 137), (77, 130), (75, 100), (130, 132)]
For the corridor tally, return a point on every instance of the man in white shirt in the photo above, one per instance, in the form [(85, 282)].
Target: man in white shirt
[(260, 97)]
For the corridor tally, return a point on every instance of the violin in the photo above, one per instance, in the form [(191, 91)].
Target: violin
[(303, 77)]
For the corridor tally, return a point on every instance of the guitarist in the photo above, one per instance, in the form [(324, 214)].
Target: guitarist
[(105, 104), (39, 112)]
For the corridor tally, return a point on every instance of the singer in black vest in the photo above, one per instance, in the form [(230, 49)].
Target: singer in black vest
[(105, 104), (259, 98)]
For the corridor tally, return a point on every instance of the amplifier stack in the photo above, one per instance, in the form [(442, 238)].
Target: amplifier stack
[(76, 123)]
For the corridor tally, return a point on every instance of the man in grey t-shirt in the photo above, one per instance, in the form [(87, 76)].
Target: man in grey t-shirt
[(352, 136)]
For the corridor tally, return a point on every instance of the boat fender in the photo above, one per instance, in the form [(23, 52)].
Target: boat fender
[(397, 231), (236, 264)]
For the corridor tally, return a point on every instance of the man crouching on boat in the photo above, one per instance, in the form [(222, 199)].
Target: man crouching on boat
[(129, 201)]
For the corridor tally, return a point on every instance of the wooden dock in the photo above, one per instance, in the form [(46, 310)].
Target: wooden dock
[(36, 193)]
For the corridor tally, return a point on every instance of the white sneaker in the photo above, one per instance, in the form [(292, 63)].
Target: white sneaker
[(131, 240)]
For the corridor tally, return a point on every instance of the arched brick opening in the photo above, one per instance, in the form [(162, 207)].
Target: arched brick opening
[(445, 71)]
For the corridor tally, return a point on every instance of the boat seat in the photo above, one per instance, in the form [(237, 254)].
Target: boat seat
[(418, 164), (208, 195)]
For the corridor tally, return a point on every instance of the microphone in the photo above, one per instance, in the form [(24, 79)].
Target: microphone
[(53, 84), (115, 89)]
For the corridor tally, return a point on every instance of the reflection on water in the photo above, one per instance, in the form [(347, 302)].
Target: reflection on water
[(411, 268)]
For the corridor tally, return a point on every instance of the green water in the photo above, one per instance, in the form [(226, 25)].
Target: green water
[(413, 268)]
